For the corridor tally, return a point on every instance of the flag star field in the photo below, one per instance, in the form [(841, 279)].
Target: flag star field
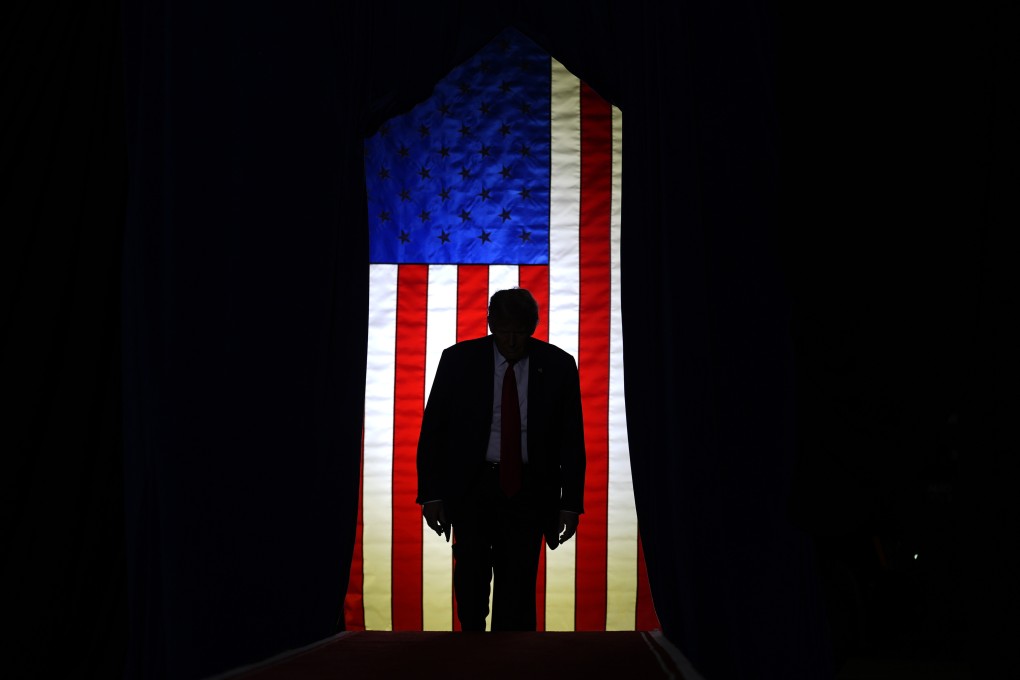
[(464, 178)]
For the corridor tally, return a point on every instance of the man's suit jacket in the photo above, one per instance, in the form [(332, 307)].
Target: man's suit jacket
[(458, 418)]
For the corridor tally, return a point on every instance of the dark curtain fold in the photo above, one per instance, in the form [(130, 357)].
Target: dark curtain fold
[(894, 213), (814, 276), (245, 281), (708, 352), (62, 160)]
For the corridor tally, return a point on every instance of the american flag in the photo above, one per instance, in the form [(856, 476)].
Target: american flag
[(509, 175)]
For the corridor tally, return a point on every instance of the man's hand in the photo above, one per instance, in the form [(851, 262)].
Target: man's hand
[(435, 517), (567, 526)]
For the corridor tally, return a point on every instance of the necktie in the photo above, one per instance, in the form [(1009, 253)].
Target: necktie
[(510, 436)]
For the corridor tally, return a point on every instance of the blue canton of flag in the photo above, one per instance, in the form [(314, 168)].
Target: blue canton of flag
[(463, 178)]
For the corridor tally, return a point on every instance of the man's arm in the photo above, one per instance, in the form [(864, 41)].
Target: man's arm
[(567, 525), (570, 445), (432, 440), (435, 516), (569, 442), (433, 448)]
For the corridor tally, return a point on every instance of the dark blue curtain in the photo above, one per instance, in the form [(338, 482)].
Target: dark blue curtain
[(245, 280)]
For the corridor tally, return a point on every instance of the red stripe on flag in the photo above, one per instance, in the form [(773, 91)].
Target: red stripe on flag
[(408, 404), (535, 278), (646, 618), (456, 621), (354, 602), (472, 301), (593, 354)]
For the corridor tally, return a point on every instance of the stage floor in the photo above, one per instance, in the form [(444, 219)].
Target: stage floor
[(493, 656)]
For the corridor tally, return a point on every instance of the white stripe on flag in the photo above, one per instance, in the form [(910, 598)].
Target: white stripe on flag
[(436, 558), (564, 279), (377, 494), (622, 532), (502, 277)]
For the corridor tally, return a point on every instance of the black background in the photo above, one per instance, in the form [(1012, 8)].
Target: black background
[(816, 259)]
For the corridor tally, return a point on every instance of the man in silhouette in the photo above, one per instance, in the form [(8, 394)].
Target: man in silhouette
[(501, 459)]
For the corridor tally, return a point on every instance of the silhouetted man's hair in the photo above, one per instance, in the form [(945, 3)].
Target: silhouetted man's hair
[(514, 305)]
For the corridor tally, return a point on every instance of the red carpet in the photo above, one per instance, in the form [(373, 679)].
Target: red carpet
[(381, 655)]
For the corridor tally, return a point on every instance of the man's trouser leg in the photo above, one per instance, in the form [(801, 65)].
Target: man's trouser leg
[(499, 539), (515, 553), (473, 527)]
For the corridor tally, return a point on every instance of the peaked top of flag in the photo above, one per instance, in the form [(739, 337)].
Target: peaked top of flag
[(463, 178)]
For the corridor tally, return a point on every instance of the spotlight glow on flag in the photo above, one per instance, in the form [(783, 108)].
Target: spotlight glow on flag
[(509, 175)]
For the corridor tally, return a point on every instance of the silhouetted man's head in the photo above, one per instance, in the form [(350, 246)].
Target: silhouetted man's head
[(513, 317)]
